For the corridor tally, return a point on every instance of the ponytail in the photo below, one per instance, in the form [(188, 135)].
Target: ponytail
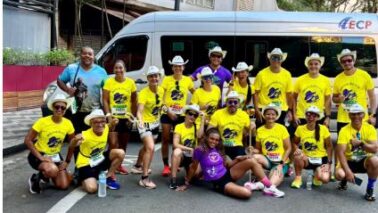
[(317, 131)]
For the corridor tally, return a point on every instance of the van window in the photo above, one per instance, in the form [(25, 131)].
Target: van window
[(132, 50)]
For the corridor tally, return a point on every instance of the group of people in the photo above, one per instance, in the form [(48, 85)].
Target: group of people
[(215, 140)]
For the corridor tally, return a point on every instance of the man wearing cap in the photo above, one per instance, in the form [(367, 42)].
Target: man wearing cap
[(356, 150), (232, 124), (93, 157), (221, 74), (350, 87), (312, 89), (86, 80), (273, 84)]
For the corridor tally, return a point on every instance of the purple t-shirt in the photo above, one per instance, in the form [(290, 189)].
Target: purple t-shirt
[(211, 163), (221, 75)]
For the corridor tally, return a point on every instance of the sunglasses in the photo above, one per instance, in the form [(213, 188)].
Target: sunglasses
[(216, 56), (346, 61), (177, 85), (276, 58), (195, 115), (207, 77), (311, 114), (157, 101), (58, 107), (232, 102)]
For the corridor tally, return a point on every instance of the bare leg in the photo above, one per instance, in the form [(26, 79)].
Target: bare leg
[(90, 185), (323, 173), (176, 159), (235, 190), (116, 157), (148, 153), (371, 165), (49, 170), (165, 142), (239, 169), (63, 180)]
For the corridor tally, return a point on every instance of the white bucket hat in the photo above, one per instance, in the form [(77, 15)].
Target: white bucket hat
[(314, 56), (97, 113), (316, 110), (273, 107), (152, 70), (346, 52), (356, 108), (218, 49), (193, 107), (278, 51), (58, 98), (178, 60), (234, 94), (241, 66), (206, 71)]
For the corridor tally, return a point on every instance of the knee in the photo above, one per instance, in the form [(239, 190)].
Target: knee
[(50, 170), (90, 187), (177, 152), (372, 162), (149, 147), (340, 174), (245, 193), (298, 159), (118, 153), (62, 184)]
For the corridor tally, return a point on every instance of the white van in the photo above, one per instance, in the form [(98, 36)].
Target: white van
[(154, 38)]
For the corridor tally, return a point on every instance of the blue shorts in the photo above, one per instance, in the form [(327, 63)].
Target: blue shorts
[(273, 165)]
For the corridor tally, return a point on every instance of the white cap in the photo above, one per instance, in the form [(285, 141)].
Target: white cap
[(314, 56), (206, 71), (218, 49), (178, 60), (356, 108), (193, 107), (278, 51), (241, 66), (97, 113), (273, 107), (314, 109), (58, 98), (346, 52), (233, 94), (154, 70)]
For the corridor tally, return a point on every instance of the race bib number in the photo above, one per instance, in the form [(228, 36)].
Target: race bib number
[(154, 125), (54, 157), (119, 110), (274, 157), (228, 143), (95, 160), (315, 161), (177, 109)]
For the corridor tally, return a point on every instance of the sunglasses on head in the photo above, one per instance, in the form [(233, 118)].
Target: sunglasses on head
[(216, 56), (346, 61), (207, 77), (232, 102), (276, 58), (194, 114), (57, 107), (177, 85), (157, 101)]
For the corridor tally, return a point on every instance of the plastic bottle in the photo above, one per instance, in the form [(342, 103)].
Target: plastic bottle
[(102, 184), (309, 180)]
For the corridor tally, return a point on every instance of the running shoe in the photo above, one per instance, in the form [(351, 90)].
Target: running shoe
[(147, 183), (369, 196), (254, 186), (316, 182), (173, 185), (112, 184), (166, 171), (138, 170), (44, 179), (297, 183), (273, 191), (122, 170), (342, 185), (34, 187)]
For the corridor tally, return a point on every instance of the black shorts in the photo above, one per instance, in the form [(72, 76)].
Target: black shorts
[(185, 162), (86, 172), (164, 119), (357, 166), (78, 121), (124, 126), (234, 151), (221, 183), (35, 162), (311, 166)]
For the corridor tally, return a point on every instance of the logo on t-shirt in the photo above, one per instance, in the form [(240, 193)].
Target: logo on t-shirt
[(270, 146), (213, 157), (310, 146), (349, 95), (176, 95), (189, 143), (311, 97), (53, 141), (155, 111), (274, 93), (229, 133), (119, 98), (210, 110)]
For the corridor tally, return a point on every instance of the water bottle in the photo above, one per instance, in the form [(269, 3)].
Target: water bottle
[(309, 180), (101, 184)]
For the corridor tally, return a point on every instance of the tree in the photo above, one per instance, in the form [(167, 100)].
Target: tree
[(367, 6)]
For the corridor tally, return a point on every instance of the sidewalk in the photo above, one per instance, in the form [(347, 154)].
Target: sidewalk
[(15, 127)]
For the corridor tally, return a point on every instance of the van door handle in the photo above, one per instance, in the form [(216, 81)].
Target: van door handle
[(140, 81)]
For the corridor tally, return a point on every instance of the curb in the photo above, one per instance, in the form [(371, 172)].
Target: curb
[(14, 149)]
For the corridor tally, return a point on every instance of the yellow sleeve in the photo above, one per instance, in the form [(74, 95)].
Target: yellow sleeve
[(257, 83), (369, 82), (328, 86), (298, 132), (142, 99), (285, 133), (177, 129), (247, 123), (190, 82), (164, 84), (37, 126), (218, 92), (343, 137), (372, 136), (214, 119), (71, 129), (133, 86), (195, 98), (325, 130), (107, 85), (336, 86), (289, 87), (297, 85)]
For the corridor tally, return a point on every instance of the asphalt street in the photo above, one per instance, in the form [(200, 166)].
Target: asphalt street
[(199, 198)]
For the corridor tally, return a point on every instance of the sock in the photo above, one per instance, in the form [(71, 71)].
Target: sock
[(266, 182), (371, 183), (144, 177), (165, 161), (137, 166)]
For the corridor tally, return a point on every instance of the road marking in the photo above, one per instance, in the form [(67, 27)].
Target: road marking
[(77, 194)]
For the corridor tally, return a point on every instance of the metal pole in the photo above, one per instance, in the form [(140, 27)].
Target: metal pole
[(177, 5)]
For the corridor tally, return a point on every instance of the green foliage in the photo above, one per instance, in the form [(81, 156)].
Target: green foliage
[(60, 57)]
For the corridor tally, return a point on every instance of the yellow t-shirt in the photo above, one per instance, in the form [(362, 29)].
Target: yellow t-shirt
[(273, 87), (148, 99), (92, 146), (311, 147), (271, 140), (354, 88), (51, 135), (187, 136), (243, 92), (202, 97), (230, 126), (311, 91), (176, 99), (120, 96), (347, 133)]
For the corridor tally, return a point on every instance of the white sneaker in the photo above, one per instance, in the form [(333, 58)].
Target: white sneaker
[(273, 191), (136, 170), (254, 186)]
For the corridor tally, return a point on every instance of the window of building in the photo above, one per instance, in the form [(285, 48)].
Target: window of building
[(202, 3)]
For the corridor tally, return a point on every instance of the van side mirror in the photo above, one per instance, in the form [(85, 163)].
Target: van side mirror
[(140, 81)]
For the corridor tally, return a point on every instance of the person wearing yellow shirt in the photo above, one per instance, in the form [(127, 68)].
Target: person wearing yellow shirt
[(311, 89), (243, 86), (352, 86), (44, 155), (273, 147), (176, 88), (315, 150), (93, 157), (233, 123), (148, 114), (357, 147), (120, 98), (273, 84), (208, 96), (185, 139)]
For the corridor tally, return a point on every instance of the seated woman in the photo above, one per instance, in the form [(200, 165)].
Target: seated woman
[(316, 149), (222, 173), (45, 157)]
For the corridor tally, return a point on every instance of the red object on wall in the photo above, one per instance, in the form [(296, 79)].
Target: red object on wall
[(18, 78)]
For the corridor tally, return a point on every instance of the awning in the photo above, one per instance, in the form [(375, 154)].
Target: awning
[(115, 13)]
